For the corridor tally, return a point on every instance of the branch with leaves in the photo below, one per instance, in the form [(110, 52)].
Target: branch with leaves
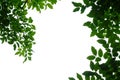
[(105, 25), (17, 29)]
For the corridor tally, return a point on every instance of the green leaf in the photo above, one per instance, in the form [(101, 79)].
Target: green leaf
[(30, 20), (10, 41), (96, 67), (87, 23), (79, 77), (25, 60), (92, 77), (50, 6), (100, 35), (87, 77), (14, 46), (29, 58), (91, 57), (53, 1), (86, 2), (106, 55), (83, 9), (98, 59), (92, 65), (17, 53), (94, 51), (93, 33), (76, 9), (100, 53), (91, 14), (88, 73), (77, 4), (71, 78), (101, 41), (29, 54)]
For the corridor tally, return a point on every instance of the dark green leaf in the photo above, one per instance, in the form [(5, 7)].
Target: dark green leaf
[(29, 58), (100, 35), (93, 33), (79, 77), (71, 78), (29, 54), (77, 4), (30, 20), (96, 66), (94, 51), (98, 59), (25, 60), (76, 9), (91, 14), (91, 57), (88, 23), (101, 41), (92, 65), (14, 46), (87, 77), (86, 2), (88, 73), (92, 77), (83, 9), (100, 53), (10, 42)]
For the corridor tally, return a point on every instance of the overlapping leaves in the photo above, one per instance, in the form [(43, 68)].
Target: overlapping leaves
[(106, 26), (17, 29)]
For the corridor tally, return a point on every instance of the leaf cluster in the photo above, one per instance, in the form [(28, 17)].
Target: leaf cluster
[(17, 29), (105, 25)]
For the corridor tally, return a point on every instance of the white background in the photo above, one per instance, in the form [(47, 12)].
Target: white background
[(62, 45)]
